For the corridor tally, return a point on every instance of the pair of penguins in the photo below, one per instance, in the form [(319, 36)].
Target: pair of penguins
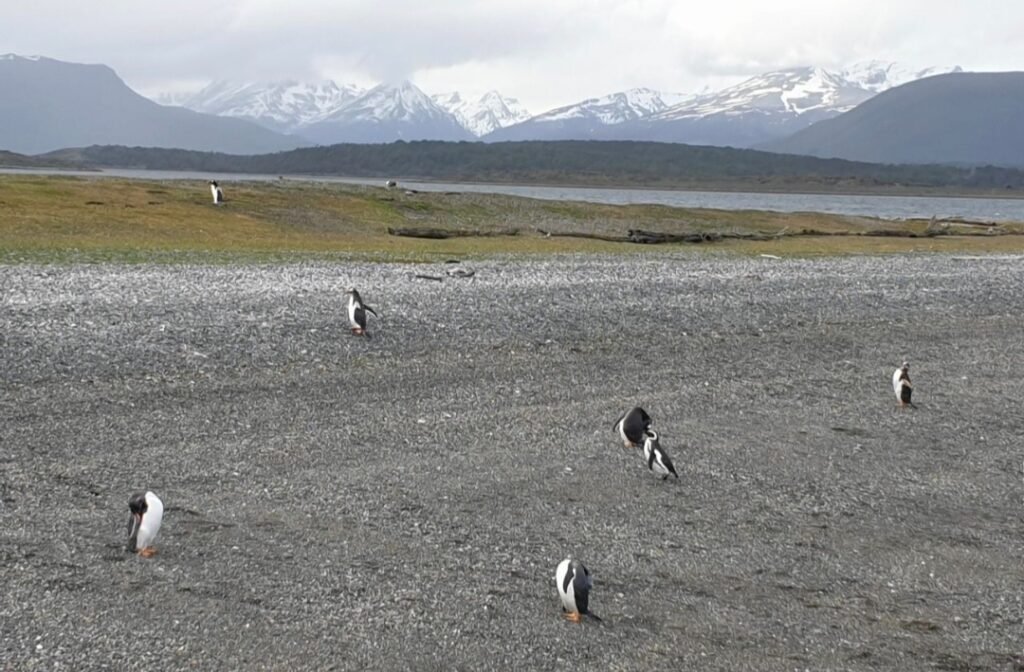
[(572, 578)]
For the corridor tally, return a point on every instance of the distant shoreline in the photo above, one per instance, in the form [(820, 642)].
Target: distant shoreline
[(796, 188)]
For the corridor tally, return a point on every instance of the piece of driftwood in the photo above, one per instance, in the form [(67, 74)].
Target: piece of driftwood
[(441, 234), (641, 237)]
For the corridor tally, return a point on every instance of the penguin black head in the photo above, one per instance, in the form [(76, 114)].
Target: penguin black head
[(905, 366), (213, 182), (137, 504)]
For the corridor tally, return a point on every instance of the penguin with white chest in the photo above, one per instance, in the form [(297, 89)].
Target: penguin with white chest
[(632, 427), (216, 192), (357, 312), (574, 583), (902, 387), (656, 458), (147, 513)]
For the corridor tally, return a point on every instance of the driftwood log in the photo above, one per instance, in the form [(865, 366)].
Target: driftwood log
[(441, 234)]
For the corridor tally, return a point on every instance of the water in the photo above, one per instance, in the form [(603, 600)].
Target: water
[(886, 207)]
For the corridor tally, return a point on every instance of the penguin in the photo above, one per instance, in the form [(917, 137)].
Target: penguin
[(902, 387), (390, 184), (357, 313), (574, 583), (147, 512), (217, 192), (657, 459), (632, 426)]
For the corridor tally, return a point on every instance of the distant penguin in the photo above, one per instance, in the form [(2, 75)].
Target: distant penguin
[(357, 313), (632, 427), (574, 583), (391, 184), (147, 513), (216, 192), (901, 386), (657, 459)]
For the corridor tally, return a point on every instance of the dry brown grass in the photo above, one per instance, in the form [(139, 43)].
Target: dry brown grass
[(97, 217)]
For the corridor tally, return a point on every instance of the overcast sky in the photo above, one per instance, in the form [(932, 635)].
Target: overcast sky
[(544, 52)]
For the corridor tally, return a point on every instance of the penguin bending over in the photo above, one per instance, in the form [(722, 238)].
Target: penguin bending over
[(147, 512), (574, 583), (632, 427)]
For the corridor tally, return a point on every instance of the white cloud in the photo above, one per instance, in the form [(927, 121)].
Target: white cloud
[(545, 52)]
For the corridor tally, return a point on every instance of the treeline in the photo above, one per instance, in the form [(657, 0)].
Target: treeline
[(564, 162)]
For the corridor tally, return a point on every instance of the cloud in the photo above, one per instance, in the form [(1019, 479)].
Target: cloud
[(546, 52)]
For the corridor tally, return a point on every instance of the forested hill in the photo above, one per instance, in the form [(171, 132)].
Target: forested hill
[(564, 162)]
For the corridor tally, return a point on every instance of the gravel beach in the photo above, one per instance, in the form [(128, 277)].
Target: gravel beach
[(401, 502)]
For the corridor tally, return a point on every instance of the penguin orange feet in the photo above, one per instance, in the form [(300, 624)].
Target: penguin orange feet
[(148, 552), (573, 616)]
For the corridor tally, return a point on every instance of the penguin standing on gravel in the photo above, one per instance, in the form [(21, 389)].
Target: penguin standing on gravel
[(574, 583), (656, 458), (632, 427), (357, 312), (216, 192), (147, 513), (902, 387)]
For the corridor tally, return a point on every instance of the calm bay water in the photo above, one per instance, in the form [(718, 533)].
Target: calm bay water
[(888, 207)]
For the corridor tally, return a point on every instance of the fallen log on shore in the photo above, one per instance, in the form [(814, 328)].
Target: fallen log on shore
[(441, 234)]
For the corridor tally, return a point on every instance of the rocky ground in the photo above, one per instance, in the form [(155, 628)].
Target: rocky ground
[(402, 502)]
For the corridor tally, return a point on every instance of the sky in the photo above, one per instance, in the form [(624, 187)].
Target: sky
[(546, 53)]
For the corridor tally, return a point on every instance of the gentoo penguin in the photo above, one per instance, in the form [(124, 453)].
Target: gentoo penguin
[(632, 426), (657, 459), (574, 584), (216, 192), (144, 524), (901, 385), (357, 312)]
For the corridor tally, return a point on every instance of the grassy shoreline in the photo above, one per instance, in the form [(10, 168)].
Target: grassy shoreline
[(92, 219)]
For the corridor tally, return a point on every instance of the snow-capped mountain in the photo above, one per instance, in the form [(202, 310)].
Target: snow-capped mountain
[(772, 105), (754, 111), (878, 76), (589, 118), (616, 108), (760, 109), (386, 113), (482, 114), (800, 91), (788, 92), (286, 106)]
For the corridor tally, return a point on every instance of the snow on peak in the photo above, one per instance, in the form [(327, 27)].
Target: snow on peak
[(798, 91), (402, 101), (877, 76), (616, 108), (283, 105), (481, 114)]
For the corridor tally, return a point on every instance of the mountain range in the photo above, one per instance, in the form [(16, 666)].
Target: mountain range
[(756, 111), (874, 112)]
